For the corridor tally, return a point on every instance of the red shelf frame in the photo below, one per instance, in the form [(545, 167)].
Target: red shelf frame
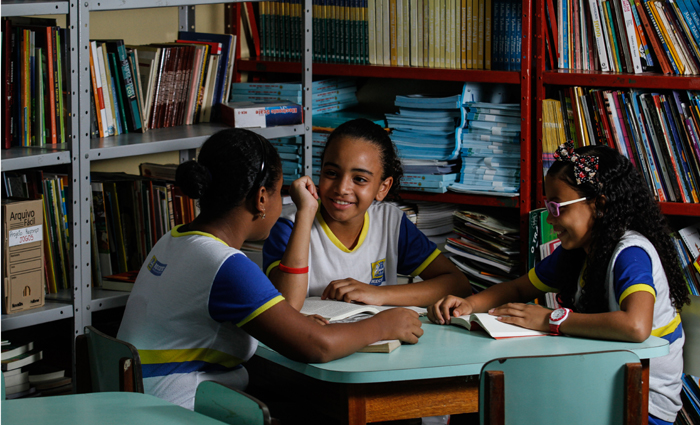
[(379, 71), (461, 198)]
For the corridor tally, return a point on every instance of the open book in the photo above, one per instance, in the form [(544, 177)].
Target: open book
[(493, 327), (334, 311), (342, 312)]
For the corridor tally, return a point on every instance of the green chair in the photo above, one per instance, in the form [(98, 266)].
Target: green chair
[(105, 363), (596, 388), (229, 405)]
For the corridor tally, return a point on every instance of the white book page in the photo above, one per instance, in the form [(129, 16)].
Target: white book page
[(494, 327)]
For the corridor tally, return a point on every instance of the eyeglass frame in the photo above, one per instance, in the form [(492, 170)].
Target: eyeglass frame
[(558, 205)]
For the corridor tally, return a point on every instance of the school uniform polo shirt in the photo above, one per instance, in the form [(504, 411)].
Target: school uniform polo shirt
[(389, 243), (185, 313), (635, 266)]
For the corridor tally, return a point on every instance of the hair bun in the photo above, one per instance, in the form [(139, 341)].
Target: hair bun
[(193, 178)]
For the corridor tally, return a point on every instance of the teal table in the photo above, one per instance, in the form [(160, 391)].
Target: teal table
[(436, 376), (101, 409)]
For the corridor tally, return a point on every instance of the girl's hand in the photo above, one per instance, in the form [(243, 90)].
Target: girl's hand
[(530, 316), (351, 290), (401, 323), (304, 195), (450, 306), (318, 319)]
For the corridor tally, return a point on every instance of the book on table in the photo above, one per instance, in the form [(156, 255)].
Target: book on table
[(491, 325), (342, 312)]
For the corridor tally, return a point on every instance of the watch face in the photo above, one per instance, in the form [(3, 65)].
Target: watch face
[(558, 314)]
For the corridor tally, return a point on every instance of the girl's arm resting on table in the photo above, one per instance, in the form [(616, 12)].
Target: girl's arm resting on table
[(293, 335), (518, 290), (441, 277)]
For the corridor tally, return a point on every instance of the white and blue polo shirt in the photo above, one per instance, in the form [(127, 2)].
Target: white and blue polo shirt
[(389, 243), (185, 313), (635, 266)]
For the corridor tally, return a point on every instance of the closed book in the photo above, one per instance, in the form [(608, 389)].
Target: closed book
[(21, 360), (249, 114), (13, 350)]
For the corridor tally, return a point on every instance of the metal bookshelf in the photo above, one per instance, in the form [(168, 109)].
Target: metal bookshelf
[(185, 139), (20, 158)]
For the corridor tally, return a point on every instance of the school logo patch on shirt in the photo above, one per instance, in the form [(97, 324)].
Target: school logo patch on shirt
[(378, 268), (156, 267)]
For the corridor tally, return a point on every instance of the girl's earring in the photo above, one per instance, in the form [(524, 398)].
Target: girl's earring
[(262, 215), (599, 214)]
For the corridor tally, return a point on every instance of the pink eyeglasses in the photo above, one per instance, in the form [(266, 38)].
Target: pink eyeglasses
[(553, 207)]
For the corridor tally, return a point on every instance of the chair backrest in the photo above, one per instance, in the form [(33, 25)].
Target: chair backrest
[(594, 388), (229, 405), (690, 316), (105, 363)]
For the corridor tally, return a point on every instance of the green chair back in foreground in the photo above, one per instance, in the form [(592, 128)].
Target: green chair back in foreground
[(105, 363), (594, 388), (229, 405)]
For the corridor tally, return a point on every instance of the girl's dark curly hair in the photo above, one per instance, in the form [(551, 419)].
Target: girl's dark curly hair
[(232, 165), (623, 202), (365, 129)]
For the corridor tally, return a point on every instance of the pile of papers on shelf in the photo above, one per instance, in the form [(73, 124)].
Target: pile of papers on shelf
[(486, 249), (424, 132), (329, 95), (290, 150), (489, 135)]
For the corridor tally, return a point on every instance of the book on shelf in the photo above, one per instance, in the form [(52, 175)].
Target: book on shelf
[(120, 281), (492, 326), (21, 360), (11, 350), (15, 377), (43, 371), (333, 310), (262, 115)]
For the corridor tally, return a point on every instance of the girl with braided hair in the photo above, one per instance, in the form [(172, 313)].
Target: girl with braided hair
[(353, 243), (616, 270)]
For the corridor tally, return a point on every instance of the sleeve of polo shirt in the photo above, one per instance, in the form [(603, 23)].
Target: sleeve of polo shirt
[(276, 244), (416, 251), (633, 273), (241, 291), (542, 276)]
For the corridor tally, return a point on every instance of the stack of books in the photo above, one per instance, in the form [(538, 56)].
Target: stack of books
[(136, 88), (26, 374), (657, 131), (687, 242), (624, 36), (424, 129), (35, 90), (487, 248), (690, 395), (290, 152), (329, 95)]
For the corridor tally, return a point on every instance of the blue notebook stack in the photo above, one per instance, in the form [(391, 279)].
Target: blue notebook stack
[(329, 95), (424, 135), (290, 150), (489, 134)]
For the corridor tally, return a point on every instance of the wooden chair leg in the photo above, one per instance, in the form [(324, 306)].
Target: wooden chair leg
[(126, 375), (633, 394), (494, 398)]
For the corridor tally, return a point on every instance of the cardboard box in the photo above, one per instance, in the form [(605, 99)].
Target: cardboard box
[(263, 115), (23, 255)]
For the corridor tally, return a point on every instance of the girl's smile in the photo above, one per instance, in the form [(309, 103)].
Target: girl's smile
[(575, 221)]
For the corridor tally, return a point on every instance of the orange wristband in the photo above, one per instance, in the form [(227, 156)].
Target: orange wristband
[(293, 270)]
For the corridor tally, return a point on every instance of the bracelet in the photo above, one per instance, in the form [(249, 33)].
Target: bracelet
[(293, 270)]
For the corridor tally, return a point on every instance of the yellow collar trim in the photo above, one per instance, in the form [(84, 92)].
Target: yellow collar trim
[(327, 230), (175, 232)]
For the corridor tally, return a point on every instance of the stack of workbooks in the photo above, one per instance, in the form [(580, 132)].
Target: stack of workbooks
[(657, 131), (329, 95), (434, 218), (136, 88), (16, 357), (487, 248), (424, 130), (35, 94), (687, 241), (290, 152)]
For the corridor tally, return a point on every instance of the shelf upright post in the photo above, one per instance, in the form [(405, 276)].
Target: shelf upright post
[(82, 289), (186, 22), (307, 74), (539, 64)]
